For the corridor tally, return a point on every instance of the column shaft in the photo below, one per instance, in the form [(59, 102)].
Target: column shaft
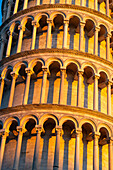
[(96, 152), (108, 47), (62, 86), (2, 48), (110, 154), (95, 96), (12, 89), (77, 149), (44, 85), (27, 86), (34, 35), (9, 9), (37, 147), (20, 39), (9, 44), (79, 95), (96, 40), (18, 149), (57, 149), (82, 3), (95, 4), (48, 42), (107, 8), (109, 98), (25, 4), (81, 36), (65, 34), (38, 2), (16, 7), (2, 148), (1, 89)]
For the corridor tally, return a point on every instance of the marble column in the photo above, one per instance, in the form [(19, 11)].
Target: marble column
[(1, 89), (66, 23), (57, 148), (25, 4), (18, 148), (48, 41), (10, 2), (107, 8), (96, 4), (43, 91), (96, 151), (16, 7), (110, 153), (108, 46), (2, 147), (14, 77), (81, 37), (9, 43), (109, 97), (95, 95), (79, 95), (22, 29), (77, 149), (97, 29), (81, 2), (63, 72), (27, 86), (37, 147), (35, 24)]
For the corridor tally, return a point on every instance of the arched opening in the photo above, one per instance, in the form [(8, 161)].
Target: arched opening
[(36, 84), (71, 84), (89, 36), (41, 34), (10, 146), (5, 43), (102, 42), (53, 83), (88, 87), (73, 33), (47, 147), (15, 39), (27, 35), (103, 148), (7, 87), (28, 145), (102, 92), (57, 31)]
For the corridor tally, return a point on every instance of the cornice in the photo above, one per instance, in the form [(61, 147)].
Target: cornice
[(47, 6), (55, 107), (55, 50)]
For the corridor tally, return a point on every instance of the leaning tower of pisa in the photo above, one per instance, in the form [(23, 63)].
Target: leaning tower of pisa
[(56, 85)]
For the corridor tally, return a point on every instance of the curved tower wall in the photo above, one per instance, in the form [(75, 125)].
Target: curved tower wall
[(56, 89)]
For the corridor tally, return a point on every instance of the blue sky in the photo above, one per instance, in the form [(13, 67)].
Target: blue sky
[(0, 12)]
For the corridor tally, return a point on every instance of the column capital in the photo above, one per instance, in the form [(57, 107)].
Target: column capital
[(82, 23), (66, 21), (35, 23), (108, 34), (2, 79), (3, 132), (19, 128), (80, 72), (97, 28), (96, 76), (10, 33), (63, 70), (44, 69), (110, 139), (21, 27), (96, 135), (38, 128), (29, 71), (109, 82), (78, 131), (14, 74), (49, 21), (58, 128)]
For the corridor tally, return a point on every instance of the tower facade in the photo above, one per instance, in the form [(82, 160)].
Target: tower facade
[(56, 73)]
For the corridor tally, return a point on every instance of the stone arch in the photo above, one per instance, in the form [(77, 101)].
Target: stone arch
[(90, 18), (25, 119), (47, 116), (105, 25), (49, 61), (65, 118), (8, 122), (105, 71), (18, 65), (4, 72), (37, 17), (103, 125), (92, 123), (12, 26), (69, 61), (76, 15), (25, 19), (90, 65), (33, 63), (54, 14)]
